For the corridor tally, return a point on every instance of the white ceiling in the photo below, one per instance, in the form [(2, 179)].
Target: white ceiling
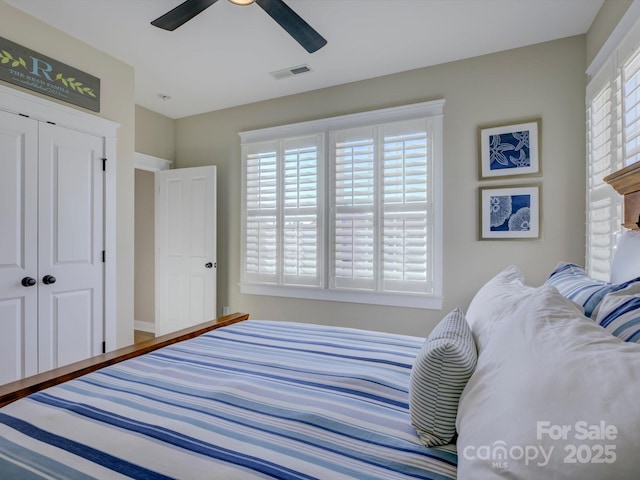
[(222, 57)]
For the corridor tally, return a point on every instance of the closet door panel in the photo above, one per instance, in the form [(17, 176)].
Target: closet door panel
[(71, 243), (72, 208), (16, 360), (72, 339), (18, 246)]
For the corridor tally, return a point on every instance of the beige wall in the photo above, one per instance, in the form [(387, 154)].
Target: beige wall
[(606, 20), (155, 134), (117, 104), (545, 80)]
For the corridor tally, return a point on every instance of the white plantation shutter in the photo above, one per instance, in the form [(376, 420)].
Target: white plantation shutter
[(354, 240), (261, 225), (301, 216), (407, 198), (603, 203), (380, 240), (281, 212), (630, 82)]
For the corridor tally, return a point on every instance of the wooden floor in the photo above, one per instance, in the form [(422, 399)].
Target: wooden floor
[(140, 336)]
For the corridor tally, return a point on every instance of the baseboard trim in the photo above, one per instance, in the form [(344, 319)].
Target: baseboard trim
[(144, 326)]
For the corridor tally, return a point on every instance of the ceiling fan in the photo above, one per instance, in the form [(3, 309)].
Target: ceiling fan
[(295, 26)]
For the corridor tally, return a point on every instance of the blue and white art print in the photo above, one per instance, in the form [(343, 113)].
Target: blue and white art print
[(510, 212), (509, 150)]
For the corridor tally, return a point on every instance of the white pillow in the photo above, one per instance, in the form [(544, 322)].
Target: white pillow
[(625, 265), (549, 376), (496, 300), (438, 375)]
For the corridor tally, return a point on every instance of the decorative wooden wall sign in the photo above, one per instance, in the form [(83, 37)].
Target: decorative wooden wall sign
[(26, 68)]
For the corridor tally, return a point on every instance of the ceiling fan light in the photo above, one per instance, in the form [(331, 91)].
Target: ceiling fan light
[(242, 2)]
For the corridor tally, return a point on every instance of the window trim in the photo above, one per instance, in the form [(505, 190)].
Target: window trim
[(607, 70), (433, 110)]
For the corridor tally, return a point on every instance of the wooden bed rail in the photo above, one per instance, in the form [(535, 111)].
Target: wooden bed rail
[(21, 388)]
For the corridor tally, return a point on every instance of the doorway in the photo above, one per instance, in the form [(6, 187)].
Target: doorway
[(144, 267), (175, 246), (146, 167)]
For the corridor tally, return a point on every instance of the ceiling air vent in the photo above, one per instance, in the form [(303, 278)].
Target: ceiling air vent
[(290, 72)]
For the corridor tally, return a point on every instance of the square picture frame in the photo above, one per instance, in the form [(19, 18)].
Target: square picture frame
[(510, 212), (510, 150)]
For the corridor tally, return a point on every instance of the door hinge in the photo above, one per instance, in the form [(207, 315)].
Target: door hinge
[(104, 347), (104, 164), (23, 115), (104, 256)]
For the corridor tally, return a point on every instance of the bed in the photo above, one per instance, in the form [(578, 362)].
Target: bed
[(530, 382), (250, 399)]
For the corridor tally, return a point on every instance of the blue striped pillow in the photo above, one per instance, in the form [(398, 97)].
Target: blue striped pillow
[(438, 376), (620, 315), (574, 283)]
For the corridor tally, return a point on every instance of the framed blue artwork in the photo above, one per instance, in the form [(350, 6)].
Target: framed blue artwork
[(510, 150), (510, 212)]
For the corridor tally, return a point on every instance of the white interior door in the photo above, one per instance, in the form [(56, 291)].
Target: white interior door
[(71, 239), (18, 247), (185, 248)]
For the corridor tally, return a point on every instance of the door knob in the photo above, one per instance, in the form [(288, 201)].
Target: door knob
[(48, 279), (208, 265), (28, 282)]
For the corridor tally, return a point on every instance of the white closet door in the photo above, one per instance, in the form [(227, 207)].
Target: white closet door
[(185, 248), (18, 246), (71, 240)]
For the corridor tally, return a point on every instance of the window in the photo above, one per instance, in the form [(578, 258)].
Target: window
[(604, 205), (613, 141), (346, 208), (281, 212)]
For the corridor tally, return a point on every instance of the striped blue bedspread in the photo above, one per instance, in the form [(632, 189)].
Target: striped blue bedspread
[(257, 399)]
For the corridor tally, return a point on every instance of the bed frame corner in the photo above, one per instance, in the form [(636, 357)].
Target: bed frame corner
[(13, 391)]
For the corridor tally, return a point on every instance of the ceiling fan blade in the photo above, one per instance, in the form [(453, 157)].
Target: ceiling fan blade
[(295, 26), (182, 14)]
